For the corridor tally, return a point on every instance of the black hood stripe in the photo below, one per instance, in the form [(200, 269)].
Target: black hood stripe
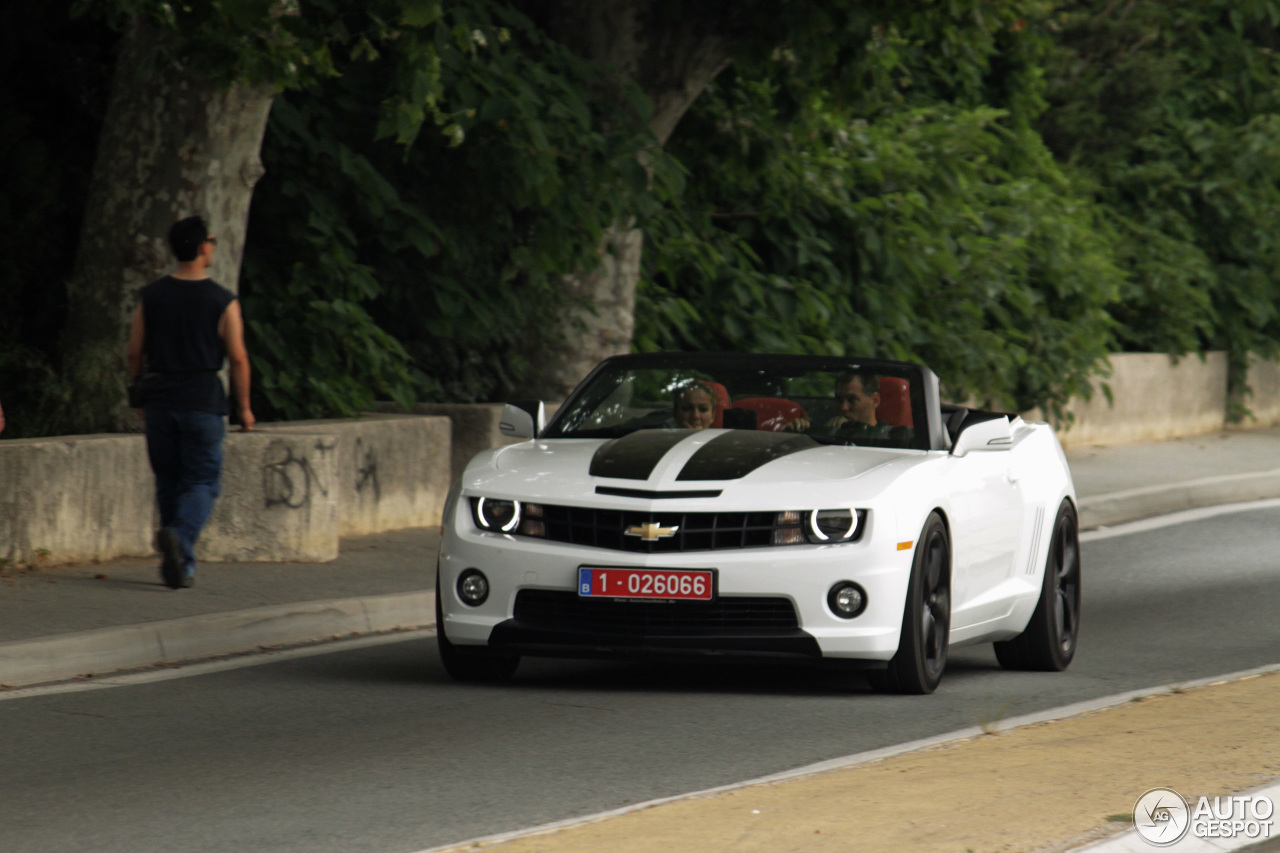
[(635, 455), (737, 453)]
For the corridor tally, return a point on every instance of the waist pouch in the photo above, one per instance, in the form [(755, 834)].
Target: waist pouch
[(144, 383)]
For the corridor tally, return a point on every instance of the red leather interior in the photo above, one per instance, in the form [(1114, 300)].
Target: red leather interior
[(772, 413), (721, 403), (895, 402)]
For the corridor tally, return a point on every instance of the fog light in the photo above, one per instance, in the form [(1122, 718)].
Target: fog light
[(473, 587), (847, 600)]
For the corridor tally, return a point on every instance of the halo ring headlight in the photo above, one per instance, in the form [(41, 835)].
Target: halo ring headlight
[(498, 514), (834, 525)]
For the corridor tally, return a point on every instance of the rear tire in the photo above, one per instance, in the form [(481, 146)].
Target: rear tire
[(1049, 642), (470, 663), (926, 619)]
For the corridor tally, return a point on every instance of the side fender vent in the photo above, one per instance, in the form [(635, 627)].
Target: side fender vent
[(1037, 531)]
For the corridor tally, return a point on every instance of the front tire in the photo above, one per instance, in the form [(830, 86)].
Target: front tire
[(1049, 642), (926, 619), (470, 663)]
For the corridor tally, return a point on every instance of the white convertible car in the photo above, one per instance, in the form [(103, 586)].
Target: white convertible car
[(762, 505)]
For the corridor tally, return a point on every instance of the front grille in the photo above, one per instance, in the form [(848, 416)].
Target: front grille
[(694, 531), (567, 611)]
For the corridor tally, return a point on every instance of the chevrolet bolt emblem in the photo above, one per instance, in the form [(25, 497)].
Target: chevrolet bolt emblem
[(651, 531)]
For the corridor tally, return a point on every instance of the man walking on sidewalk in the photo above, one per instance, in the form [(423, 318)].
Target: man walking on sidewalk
[(184, 327)]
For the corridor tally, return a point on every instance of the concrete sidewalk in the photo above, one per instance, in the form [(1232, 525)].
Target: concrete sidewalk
[(97, 618), (1131, 481), (93, 619)]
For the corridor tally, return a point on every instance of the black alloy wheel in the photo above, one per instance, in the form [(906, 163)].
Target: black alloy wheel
[(1048, 644), (926, 620)]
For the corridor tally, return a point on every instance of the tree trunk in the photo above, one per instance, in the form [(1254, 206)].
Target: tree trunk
[(602, 317), (672, 52), (173, 144)]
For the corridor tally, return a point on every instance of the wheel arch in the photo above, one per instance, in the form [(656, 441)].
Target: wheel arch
[(941, 512)]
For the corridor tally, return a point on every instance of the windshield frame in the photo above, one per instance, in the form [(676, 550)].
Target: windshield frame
[(925, 399)]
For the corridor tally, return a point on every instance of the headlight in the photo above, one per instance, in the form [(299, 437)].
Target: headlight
[(818, 526), (494, 514), (508, 516), (788, 528), (533, 524), (836, 525)]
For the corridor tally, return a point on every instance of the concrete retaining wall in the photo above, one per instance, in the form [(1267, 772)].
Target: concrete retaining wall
[(76, 497), (278, 502), (1263, 380), (475, 428), (391, 471), (1152, 397), (289, 491)]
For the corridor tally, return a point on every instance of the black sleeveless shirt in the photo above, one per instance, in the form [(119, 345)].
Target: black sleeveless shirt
[(180, 339)]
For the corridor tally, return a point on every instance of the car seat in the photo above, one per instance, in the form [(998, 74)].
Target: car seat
[(772, 413), (895, 402), (721, 403)]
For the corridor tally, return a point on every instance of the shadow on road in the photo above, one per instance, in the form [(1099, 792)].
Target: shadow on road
[(417, 663)]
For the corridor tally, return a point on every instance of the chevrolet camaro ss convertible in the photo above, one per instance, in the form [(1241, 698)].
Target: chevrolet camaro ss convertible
[(762, 505)]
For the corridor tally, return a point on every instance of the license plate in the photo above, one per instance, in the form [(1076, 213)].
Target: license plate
[(688, 584)]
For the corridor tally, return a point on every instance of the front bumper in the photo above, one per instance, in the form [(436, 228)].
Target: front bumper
[(551, 622), (770, 600)]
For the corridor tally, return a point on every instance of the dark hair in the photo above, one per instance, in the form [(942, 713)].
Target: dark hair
[(187, 236), (870, 382)]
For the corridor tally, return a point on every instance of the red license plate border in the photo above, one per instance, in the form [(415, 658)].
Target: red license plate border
[(714, 573)]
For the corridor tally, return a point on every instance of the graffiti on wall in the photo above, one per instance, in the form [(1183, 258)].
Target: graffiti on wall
[(290, 480), (367, 470)]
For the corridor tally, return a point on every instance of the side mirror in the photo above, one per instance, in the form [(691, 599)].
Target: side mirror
[(523, 419), (995, 434)]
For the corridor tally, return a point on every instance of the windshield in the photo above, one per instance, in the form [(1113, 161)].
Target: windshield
[(869, 404)]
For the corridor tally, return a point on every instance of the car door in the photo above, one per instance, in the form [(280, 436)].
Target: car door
[(987, 508)]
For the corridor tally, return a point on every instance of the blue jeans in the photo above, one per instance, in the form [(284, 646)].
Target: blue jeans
[(185, 449)]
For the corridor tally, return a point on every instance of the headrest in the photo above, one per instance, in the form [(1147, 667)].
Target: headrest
[(772, 413), (721, 403), (895, 402)]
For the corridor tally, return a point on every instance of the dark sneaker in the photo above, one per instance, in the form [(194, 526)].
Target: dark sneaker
[(171, 557), (188, 581)]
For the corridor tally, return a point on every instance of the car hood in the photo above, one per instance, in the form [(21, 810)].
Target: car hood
[(736, 465)]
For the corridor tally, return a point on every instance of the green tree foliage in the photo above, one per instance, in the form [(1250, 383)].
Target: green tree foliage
[(375, 269), (1005, 191), (921, 220), (1171, 112)]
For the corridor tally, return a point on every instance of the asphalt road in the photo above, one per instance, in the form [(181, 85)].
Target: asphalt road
[(374, 749)]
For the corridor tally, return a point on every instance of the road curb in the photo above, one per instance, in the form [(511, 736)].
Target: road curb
[(24, 663), (1134, 504)]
